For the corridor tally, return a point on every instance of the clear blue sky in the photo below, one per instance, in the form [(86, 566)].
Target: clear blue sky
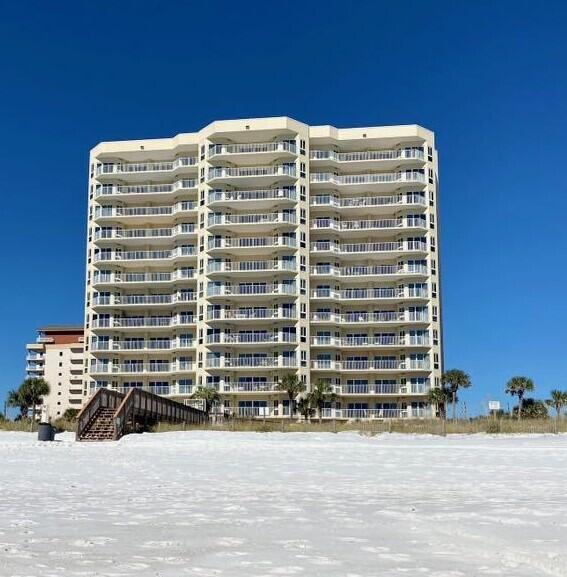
[(488, 77)]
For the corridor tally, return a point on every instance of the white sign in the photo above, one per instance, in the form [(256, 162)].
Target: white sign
[(493, 405)]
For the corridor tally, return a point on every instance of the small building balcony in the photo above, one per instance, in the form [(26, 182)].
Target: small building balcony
[(361, 160), (146, 170), (255, 315), (146, 191), (266, 152), (251, 244), (250, 267), (252, 290), (368, 249), (371, 318), (380, 181), (252, 175), (363, 204), (259, 198), (142, 278), (156, 214), (391, 271), (262, 222)]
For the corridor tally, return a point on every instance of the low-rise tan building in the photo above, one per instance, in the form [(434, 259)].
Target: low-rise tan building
[(57, 357)]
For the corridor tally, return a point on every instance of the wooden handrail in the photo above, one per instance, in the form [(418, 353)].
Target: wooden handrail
[(103, 398), (136, 403)]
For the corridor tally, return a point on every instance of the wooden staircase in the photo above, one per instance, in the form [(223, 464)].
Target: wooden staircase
[(109, 414), (101, 426)]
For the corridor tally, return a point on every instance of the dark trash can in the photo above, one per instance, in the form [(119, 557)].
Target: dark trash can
[(45, 432)]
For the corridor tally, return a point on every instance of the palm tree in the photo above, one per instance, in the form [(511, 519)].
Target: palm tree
[(292, 386), (16, 400), (557, 400), (305, 408), (439, 396), (455, 379), (31, 393), (518, 386), (322, 393), (209, 395)]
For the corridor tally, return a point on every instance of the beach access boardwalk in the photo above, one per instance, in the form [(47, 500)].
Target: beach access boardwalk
[(109, 414)]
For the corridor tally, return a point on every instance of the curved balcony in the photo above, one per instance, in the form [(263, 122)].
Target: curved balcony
[(257, 338), (368, 249), (144, 300), (251, 152), (257, 222), (145, 235), (379, 414), (142, 278), (249, 267), (369, 294), (252, 175), (251, 244), (386, 225), (384, 159), (247, 290), (146, 191), (259, 198), (364, 203), (148, 256), (143, 346), (260, 315), (370, 365), (156, 214), (370, 182), (147, 169), (153, 322), (370, 318), (395, 389), (381, 341), (392, 271), (251, 387), (251, 363), (151, 368)]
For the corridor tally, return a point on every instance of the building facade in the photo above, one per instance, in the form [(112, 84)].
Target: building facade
[(253, 248), (57, 356)]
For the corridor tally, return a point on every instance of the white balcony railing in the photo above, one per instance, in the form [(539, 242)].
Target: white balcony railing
[(123, 300), (252, 242), (395, 154), (373, 317), (129, 211), (252, 148), (368, 201), (252, 195), (252, 219), (251, 314), (142, 368), (143, 322), (350, 271), (145, 233), (413, 176), (251, 289), (134, 167), (370, 365), (100, 277), (128, 255), (251, 171), (119, 189), (143, 345), (369, 247), (251, 338), (252, 266)]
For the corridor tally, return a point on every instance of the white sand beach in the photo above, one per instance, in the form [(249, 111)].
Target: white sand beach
[(253, 504)]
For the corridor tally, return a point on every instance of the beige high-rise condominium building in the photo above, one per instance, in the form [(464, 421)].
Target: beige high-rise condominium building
[(254, 248), (57, 356)]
